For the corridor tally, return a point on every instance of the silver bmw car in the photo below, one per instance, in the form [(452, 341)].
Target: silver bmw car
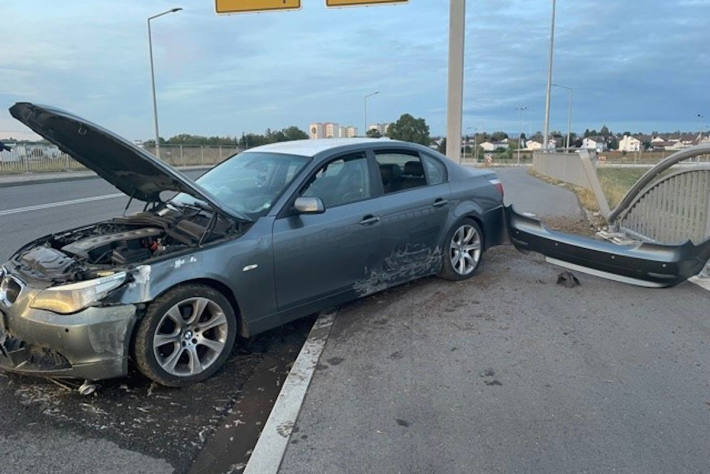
[(269, 235)]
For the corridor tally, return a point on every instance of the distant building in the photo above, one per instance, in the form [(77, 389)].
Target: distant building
[(493, 146), (331, 130), (316, 130), (380, 127), (594, 143), (533, 145), (629, 144), (348, 131)]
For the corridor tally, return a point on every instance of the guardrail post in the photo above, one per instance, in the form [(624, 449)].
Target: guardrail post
[(220, 153), (593, 179), (182, 157)]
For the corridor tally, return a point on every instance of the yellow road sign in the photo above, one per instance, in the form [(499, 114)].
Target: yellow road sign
[(243, 6), (349, 3)]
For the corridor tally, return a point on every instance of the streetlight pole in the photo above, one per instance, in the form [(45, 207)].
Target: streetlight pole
[(520, 109), (466, 142), (700, 119), (152, 77), (549, 80), (367, 97), (569, 111)]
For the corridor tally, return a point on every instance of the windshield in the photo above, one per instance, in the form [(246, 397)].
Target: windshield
[(250, 182)]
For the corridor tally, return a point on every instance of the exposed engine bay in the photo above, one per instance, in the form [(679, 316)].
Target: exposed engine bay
[(103, 248)]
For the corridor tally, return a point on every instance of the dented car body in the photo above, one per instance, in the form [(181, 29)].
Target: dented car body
[(268, 236)]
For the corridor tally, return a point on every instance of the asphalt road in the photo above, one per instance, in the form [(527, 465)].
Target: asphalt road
[(511, 372), (19, 227), (505, 372), (129, 425)]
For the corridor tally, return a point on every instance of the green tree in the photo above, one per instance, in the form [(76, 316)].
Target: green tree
[(499, 136), (409, 129), (442, 146), (374, 133)]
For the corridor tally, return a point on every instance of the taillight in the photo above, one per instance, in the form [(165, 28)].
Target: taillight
[(499, 186)]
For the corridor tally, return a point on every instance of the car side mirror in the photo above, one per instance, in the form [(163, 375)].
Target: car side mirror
[(309, 205)]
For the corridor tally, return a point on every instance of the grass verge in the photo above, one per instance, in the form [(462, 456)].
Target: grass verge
[(615, 182)]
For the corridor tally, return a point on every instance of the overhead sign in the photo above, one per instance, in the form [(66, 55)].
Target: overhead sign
[(351, 3), (245, 6)]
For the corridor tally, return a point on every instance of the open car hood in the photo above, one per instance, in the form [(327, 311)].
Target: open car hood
[(131, 169)]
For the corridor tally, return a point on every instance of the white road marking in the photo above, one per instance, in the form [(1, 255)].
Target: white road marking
[(271, 446), (703, 282), (50, 205)]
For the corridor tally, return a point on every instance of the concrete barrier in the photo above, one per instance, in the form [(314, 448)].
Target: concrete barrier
[(565, 167), (579, 169)]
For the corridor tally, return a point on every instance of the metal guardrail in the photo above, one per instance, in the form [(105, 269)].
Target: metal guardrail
[(668, 207), (43, 159)]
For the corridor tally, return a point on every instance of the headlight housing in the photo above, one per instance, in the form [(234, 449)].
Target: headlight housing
[(71, 298)]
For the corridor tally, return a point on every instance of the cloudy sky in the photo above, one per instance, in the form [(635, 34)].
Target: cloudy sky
[(635, 65)]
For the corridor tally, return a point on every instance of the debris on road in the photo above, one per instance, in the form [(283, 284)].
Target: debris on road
[(568, 280)]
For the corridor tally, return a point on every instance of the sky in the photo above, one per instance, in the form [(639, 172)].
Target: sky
[(634, 65)]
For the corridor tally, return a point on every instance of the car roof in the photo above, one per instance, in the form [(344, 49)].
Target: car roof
[(313, 147)]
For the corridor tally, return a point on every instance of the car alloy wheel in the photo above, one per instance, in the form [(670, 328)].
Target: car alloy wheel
[(465, 249), (190, 337)]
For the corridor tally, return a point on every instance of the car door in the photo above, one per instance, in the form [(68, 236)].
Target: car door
[(318, 256), (414, 208)]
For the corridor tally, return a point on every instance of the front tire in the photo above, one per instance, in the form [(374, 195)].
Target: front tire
[(186, 335), (463, 250)]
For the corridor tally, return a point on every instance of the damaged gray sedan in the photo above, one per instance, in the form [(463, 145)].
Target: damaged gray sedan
[(268, 236)]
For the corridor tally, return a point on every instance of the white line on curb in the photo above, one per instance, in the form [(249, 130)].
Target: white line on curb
[(271, 446), (49, 205)]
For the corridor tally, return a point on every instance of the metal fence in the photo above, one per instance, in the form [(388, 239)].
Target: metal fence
[(48, 158), (670, 203)]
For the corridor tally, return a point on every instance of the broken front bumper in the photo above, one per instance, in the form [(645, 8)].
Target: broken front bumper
[(92, 344), (644, 264)]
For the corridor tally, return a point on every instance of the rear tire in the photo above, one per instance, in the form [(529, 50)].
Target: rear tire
[(186, 335), (463, 250)]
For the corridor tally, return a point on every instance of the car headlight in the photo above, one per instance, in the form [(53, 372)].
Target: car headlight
[(77, 296)]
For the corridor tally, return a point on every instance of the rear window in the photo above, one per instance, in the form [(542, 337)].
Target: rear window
[(400, 170)]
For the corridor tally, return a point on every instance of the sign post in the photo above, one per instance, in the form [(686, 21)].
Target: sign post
[(454, 105)]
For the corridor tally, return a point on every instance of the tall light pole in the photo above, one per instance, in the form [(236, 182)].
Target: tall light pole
[(549, 79), (367, 97), (520, 109), (700, 119), (152, 77), (569, 111)]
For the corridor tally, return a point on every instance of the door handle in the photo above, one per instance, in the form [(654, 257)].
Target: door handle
[(440, 202), (369, 220)]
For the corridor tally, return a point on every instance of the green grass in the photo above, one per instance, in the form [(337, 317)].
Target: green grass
[(616, 182)]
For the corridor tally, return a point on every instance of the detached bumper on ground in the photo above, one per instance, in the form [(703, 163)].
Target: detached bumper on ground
[(644, 264), (92, 344)]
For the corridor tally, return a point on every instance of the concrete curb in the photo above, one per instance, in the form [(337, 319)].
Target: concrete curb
[(271, 446), (38, 178)]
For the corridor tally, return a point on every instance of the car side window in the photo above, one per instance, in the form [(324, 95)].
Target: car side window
[(341, 181), (400, 170), (435, 170)]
